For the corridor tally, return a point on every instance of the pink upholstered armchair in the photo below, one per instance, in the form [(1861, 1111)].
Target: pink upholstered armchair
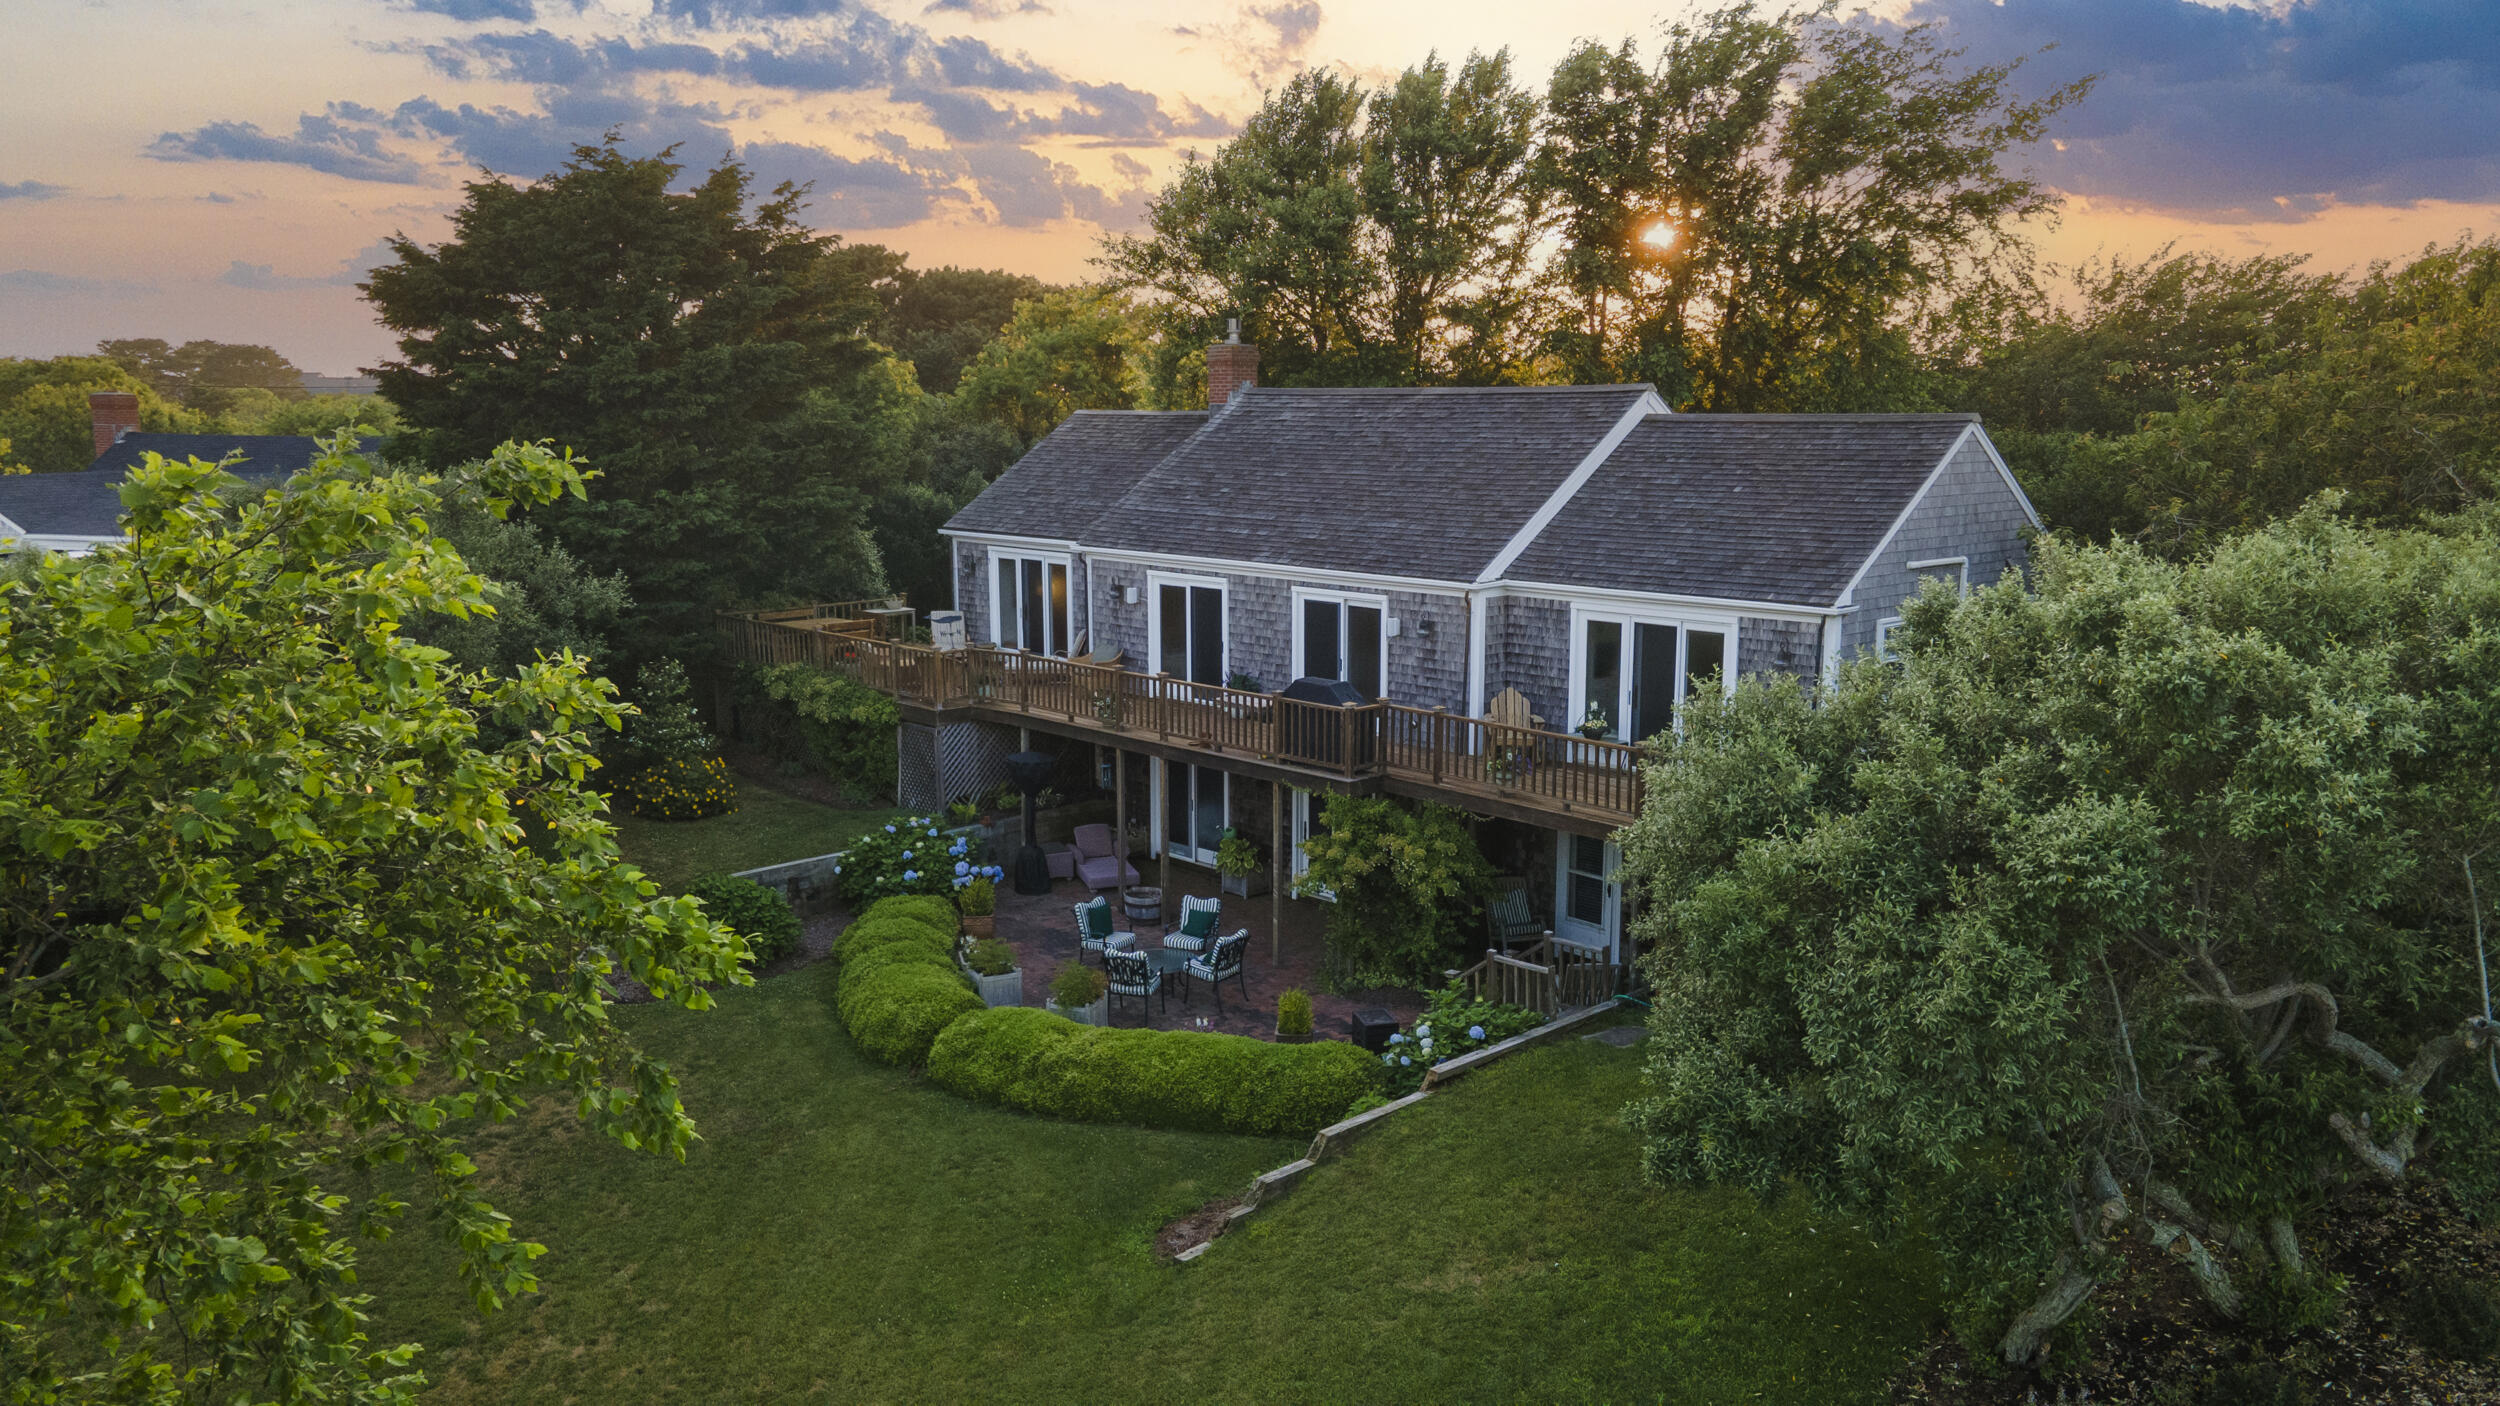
[(1098, 862)]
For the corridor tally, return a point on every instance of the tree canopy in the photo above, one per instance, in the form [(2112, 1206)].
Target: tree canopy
[(276, 921), (1753, 220), (45, 417), (210, 377), (2136, 904), (695, 345)]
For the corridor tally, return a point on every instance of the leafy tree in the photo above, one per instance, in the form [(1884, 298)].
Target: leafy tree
[(704, 355), (323, 415), (664, 727), (1061, 353), (273, 924), (44, 411), (1362, 238), (1815, 182), (213, 378), (546, 603), (2265, 389), (1406, 880), (2136, 906)]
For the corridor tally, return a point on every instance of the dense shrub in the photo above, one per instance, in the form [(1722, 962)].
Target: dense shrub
[(756, 913), (895, 1001), (1042, 1063), (1407, 880), (991, 957), (1077, 985), (680, 789), (2453, 1316), (929, 910), (1293, 1012), (870, 933), (807, 718), (910, 856), (1453, 1024)]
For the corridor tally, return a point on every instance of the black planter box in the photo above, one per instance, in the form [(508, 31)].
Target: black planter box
[(1373, 1027)]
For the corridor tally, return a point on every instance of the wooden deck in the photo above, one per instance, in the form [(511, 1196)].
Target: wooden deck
[(1546, 778)]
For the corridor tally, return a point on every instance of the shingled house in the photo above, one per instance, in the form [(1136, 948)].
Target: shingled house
[(1505, 587), (75, 513)]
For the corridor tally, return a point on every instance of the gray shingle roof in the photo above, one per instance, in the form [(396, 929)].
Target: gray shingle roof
[(1741, 507), (88, 503), (1402, 482), (1061, 484)]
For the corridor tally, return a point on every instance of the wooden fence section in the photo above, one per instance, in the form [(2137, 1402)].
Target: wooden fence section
[(1448, 751), (1546, 976)]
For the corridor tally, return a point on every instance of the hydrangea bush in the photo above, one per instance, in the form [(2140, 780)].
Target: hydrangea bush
[(911, 855), (1453, 1023)]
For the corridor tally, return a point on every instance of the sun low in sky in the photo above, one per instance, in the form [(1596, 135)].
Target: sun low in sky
[(229, 168)]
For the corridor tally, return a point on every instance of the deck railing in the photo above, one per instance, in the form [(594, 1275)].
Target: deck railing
[(1549, 770), (1545, 975)]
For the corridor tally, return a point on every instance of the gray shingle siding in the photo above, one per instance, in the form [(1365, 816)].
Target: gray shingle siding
[(1531, 636), (1969, 512), (1779, 647), (1258, 630), (972, 592)]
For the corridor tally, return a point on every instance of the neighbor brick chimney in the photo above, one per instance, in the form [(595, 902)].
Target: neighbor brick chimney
[(115, 413), (1232, 364)]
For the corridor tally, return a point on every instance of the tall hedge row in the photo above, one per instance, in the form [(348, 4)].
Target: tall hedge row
[(1040, 1062), (905, 1002)]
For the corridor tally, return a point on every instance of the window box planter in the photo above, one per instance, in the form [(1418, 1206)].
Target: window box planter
[(1245, 885), (1096, 1013)]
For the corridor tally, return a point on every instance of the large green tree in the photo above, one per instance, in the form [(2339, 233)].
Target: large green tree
[(1363, 238), (274, 923), (45, 416), (695, 345), (211, 377), (2136, 907)]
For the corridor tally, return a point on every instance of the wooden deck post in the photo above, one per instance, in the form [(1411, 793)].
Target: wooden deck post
[(1119, 809), (1276, 874)]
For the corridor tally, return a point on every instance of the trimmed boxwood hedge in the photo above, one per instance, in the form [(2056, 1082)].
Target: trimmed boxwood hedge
[(895, 1006), (935, 910), (1044, 1063), (869, 933)]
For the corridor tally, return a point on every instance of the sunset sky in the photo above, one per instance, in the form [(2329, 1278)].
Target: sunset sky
[(226, 168)]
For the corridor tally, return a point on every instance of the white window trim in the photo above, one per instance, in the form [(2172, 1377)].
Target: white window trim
[(1162, 828), (1341, 599), (1682, 620), (1961, 566), (1883, 637), (999, 556), (1304, 803), (1566, 928), (1155, 582)]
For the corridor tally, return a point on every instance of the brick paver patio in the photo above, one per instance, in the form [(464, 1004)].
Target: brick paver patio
[(1042, 929)]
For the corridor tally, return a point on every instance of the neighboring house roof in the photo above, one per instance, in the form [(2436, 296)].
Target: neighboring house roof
[(1063, 483), (87, 506), (1426, 483), (1741, 507)]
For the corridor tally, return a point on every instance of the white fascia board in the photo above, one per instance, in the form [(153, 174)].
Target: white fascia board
[(1600, 596), (1007, 539), (1479, 619), (1649, 404), (1166, 561), (2007, 474), (1900, 519), (59, 543)]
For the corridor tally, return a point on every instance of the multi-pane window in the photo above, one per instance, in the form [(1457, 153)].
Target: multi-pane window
[(1029, 600), (1634, 673)]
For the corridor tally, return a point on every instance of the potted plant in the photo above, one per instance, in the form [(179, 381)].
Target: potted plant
[(994, 970), (1243, 868), (1595, 725), (1293, 1017), (978, 902), (1080, 993)]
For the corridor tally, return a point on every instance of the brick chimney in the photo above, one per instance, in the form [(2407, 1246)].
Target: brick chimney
[(1232, 364), (115, 413)]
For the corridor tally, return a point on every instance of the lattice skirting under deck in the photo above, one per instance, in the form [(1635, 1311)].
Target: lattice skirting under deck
[(943, 764)]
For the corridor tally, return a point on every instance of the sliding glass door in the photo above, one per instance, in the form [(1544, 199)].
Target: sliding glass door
[(1632, 674), (1196, 807), (1189, 631), (1029, 600), (1341, 638)]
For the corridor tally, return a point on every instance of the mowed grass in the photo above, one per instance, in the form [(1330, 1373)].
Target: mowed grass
[(768, 827), (847, 1233)]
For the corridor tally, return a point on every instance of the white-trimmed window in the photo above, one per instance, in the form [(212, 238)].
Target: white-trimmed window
[(1630, 670), (1342, 635), (1883, 637), (1029, 601), (1185, 627), (1953, 569)]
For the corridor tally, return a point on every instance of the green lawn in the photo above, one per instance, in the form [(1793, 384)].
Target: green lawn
[(768, 827), (847, 1233)]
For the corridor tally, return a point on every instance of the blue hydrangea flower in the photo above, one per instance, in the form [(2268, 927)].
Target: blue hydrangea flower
[(1388, 1059), (1475, 1032), (911, 875), (1423, 1030), (1427, 1045), (962, 868), (907, 854), (1397, 1039), (1404, 1061), (889, 829)]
